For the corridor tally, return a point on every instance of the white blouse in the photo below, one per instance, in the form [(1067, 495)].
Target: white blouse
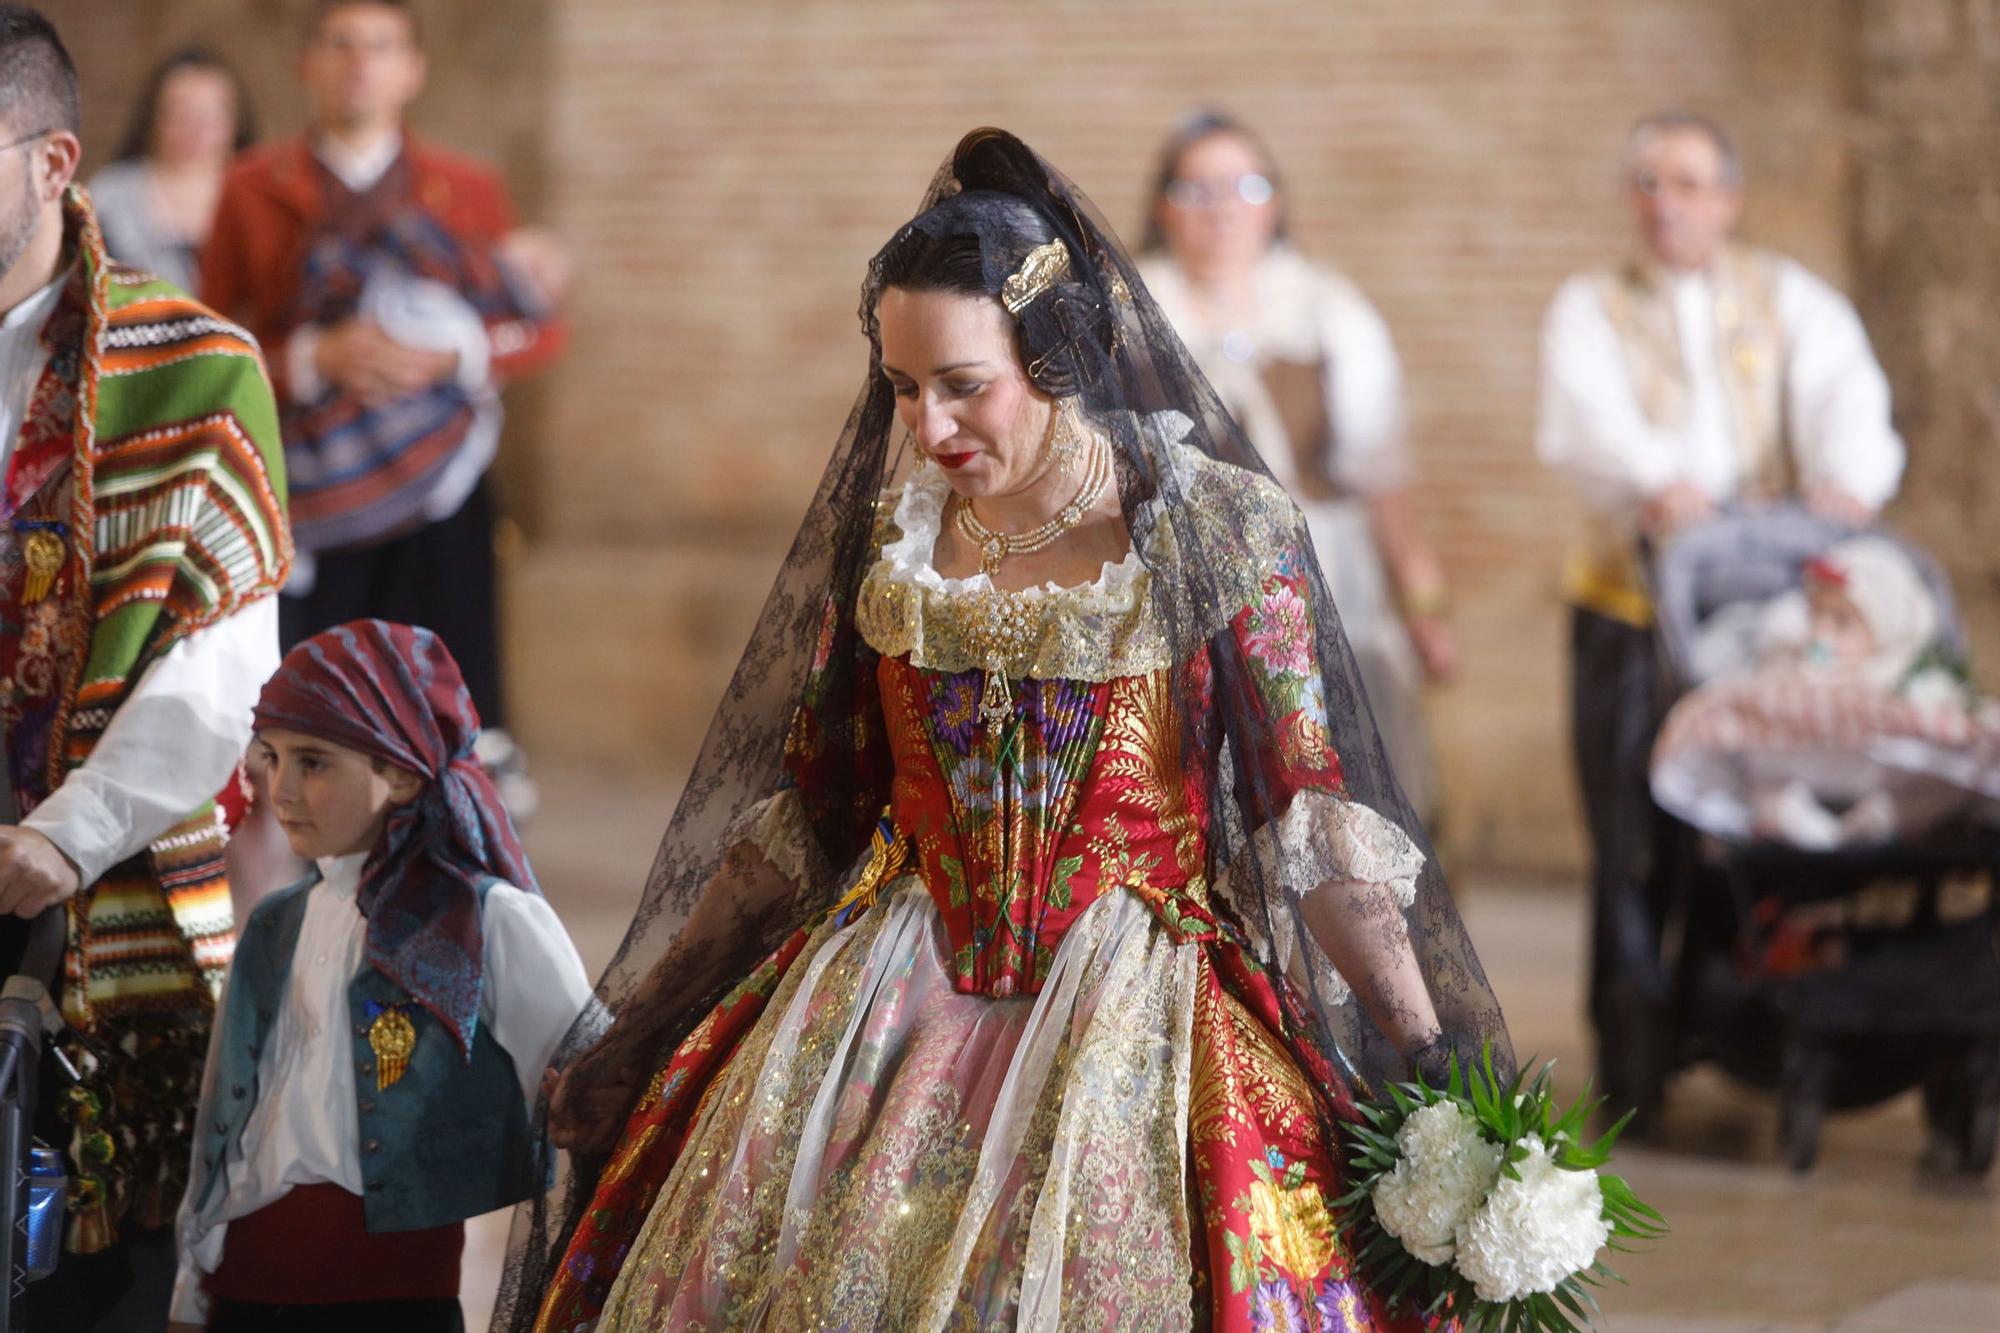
[(1303, 312)]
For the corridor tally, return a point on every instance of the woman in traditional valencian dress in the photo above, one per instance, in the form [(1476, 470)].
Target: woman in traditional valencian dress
[(1041, 894)]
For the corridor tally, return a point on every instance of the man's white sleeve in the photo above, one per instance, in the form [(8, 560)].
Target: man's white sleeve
[(1835, 393), (1591, 427), (171, 746)]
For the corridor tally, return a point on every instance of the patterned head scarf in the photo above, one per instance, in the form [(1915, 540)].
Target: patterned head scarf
[(394, 693)]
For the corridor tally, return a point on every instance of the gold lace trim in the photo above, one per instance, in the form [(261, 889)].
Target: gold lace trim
[(1095, 632), (1099, 631)]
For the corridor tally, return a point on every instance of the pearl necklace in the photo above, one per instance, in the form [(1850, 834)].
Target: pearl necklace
[(995, 547)]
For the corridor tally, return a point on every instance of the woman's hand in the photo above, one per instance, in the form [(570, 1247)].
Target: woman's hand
[(1433, 1059), (589, 1101), (1418, 576), (1437, 646)]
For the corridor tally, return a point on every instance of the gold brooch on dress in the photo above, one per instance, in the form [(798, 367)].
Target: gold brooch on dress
[(44, 552), (392, 1036)]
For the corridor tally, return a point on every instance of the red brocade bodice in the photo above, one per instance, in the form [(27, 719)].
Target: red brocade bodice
[(1095, 777), (1015, 835)]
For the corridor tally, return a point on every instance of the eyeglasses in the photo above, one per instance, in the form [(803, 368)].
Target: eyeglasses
[(1250, 187), (1655, 186), (27, 138)]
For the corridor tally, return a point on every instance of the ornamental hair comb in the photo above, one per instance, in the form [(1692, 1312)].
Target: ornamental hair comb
[(1045, 266)]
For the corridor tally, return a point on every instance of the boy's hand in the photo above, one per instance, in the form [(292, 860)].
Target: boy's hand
[(34, 873), (541, 259), (358, 357)]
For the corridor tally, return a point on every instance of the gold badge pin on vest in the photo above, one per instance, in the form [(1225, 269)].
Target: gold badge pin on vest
[(44, 551), (392, 1036)]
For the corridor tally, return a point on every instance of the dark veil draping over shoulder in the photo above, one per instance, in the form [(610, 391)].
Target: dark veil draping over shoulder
[(1098, 334)]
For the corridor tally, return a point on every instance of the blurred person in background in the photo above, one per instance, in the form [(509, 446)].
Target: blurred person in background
[(142, 549), (156, 198), (394, 296), (1696, 372), (1305, 364)]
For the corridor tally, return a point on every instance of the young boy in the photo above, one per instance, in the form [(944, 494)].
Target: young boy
[(386, 1021)]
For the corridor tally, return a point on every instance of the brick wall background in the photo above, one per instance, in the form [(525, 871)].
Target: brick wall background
[(725, 169), (1927, 273)]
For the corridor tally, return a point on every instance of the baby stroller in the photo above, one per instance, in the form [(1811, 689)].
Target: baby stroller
[(1839, 978)]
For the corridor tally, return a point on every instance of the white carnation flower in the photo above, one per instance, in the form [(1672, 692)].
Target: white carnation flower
[(1446, 1168), (1532, 1233)]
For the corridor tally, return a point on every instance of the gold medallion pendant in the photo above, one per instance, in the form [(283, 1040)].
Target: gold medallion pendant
[(996, 701), (392, 1036), (44, 552)]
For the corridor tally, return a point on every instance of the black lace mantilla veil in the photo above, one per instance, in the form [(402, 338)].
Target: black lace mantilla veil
[(1105, 339)]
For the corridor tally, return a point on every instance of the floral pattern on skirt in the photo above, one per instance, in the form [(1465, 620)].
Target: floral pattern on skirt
[(1134, 1146)]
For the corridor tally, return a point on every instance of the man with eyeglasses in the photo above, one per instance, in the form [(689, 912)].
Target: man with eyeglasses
[(142, 543), (1699, 372), (393, 295)]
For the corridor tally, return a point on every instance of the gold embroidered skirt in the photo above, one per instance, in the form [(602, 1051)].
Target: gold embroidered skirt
[(886, 1152)]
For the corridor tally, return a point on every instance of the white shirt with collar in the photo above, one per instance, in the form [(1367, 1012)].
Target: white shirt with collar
[(23, 357), (176, 739), (358, 167), (303, 1129), (1836, 399)]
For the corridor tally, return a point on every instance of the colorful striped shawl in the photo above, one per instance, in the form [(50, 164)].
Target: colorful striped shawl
[(178, 516)]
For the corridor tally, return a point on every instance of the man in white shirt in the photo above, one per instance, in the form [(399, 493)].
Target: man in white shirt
[(1699, 373), (142, 540)]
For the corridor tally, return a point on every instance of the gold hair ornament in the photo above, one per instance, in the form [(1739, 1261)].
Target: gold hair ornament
[(1045, 266)]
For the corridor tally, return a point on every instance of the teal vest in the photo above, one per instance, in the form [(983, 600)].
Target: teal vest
[(446, 1141)]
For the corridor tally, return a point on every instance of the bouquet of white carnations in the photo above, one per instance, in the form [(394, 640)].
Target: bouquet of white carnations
[(1478, 1201)]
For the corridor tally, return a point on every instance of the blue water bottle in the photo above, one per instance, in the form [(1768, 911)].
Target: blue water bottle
[(48, 1189)]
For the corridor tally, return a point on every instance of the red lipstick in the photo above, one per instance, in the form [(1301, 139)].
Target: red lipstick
[(953, 460)]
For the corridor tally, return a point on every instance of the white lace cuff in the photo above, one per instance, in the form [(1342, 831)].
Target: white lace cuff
[(1322, 843), (1326, 840), (777, 827)]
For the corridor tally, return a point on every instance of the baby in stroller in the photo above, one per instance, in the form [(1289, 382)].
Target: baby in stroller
[(1829, 852), (1832, 714)]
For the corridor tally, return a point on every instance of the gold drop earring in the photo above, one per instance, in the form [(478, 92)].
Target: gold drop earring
[(1065, 437)]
